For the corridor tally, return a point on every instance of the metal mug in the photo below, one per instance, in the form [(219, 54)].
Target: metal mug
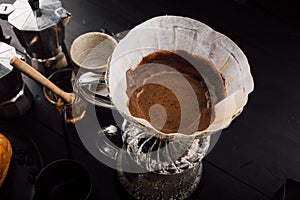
[(63, 179)]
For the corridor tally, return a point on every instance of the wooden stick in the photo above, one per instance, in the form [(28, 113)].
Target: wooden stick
[(35, 75)]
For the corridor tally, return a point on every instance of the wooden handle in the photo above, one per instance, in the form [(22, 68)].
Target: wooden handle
[(35, 75)]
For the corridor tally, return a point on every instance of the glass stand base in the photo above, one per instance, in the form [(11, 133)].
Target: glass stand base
[(151, 185)]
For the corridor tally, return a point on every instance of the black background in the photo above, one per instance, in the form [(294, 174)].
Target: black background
[(259, 151)]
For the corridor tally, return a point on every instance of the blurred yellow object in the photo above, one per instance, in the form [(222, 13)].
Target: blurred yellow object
[(5, 157)]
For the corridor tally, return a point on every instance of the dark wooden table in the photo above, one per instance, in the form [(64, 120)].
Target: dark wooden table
[(255, 155)]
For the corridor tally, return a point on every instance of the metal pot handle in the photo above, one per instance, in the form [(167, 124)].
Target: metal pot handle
[(5, 10)]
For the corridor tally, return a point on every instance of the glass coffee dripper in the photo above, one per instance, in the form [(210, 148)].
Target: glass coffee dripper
[(152, 164)]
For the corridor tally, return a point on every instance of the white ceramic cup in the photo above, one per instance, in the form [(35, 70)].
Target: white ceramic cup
[(90, 51)]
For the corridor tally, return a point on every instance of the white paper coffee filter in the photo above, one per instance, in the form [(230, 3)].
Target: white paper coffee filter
[(180, 33)]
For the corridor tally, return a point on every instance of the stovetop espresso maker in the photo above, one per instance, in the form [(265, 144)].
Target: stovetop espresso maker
[(40, 28), (15, 97)]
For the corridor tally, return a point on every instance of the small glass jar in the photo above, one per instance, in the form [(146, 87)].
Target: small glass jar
[(63, 78)]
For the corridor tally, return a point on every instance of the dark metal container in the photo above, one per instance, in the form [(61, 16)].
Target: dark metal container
[(15, 97)]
